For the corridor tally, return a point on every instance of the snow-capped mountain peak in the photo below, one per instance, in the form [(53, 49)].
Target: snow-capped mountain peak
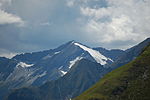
[(99, 58), (36, 68)]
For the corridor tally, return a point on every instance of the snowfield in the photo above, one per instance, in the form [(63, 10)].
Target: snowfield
[(95, 54)]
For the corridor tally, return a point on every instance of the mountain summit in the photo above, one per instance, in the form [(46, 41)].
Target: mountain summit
[(39, 67)]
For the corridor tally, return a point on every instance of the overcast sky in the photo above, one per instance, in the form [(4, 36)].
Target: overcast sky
[(33, 25)]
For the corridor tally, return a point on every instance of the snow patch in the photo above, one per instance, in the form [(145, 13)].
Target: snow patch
[(63, 72), (95, 54), (74, 61), (20, 75), (24, 65), (111, 60), (49, 56), (46, 57), (60, 67), (43, 74), (71, 64), (57, 52)]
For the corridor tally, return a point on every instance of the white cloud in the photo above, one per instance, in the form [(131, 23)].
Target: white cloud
[(6, 53), (114, 23), (128, 20), (8, 18), (95, 13), (70, 3), (117, 29)]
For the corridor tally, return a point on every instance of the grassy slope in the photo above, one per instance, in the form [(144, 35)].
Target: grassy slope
[(129, 82)]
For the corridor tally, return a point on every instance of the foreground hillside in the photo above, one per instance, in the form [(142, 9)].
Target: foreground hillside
[(129, 82)]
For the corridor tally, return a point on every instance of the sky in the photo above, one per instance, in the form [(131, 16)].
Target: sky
[(35, 25)]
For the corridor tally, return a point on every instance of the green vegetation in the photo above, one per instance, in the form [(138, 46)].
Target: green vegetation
[(129, 82)]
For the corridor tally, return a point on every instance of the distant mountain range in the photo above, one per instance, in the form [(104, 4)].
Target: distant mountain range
[(40, 67), (62, 73), (37, 68)]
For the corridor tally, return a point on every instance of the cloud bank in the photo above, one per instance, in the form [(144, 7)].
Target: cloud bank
[(8, 18), (121, 21), (49, 23)]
